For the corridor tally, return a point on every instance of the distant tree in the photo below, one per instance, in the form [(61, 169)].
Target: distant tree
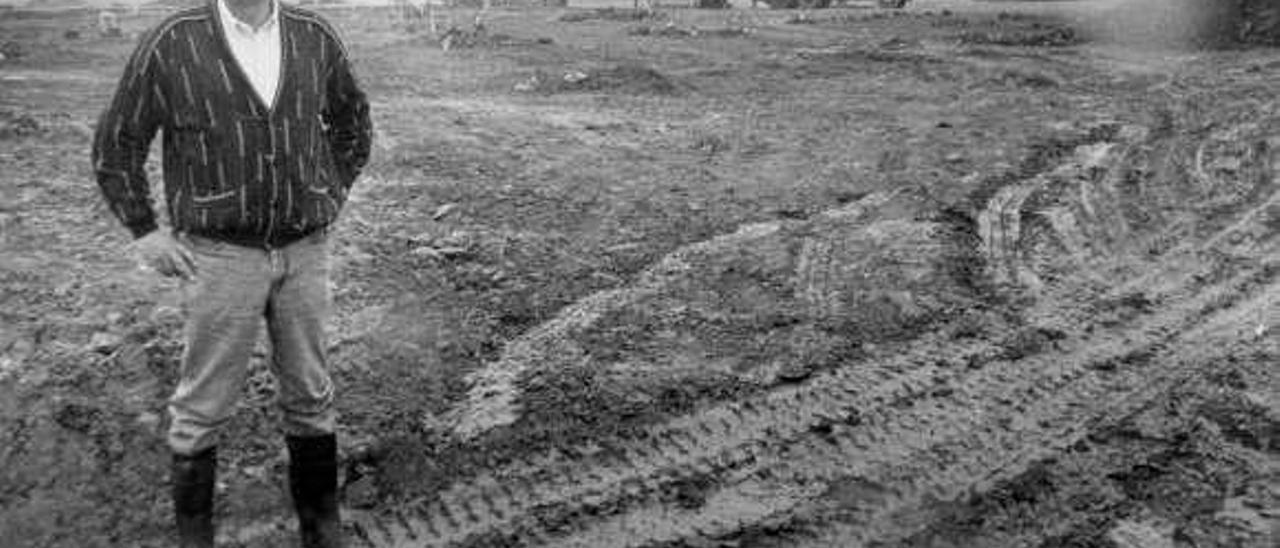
[(1259, 22)]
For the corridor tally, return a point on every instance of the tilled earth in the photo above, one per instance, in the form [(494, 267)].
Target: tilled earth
[(955, 276)]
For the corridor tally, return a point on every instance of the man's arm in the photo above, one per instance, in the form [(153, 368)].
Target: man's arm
[(124, 134), (347, 115)]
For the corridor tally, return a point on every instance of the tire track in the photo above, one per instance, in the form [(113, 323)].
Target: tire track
[(1013, 530), (990, 427), (718, 441), (1000, 225), (903, 425), (1225, 334), (708, 441)]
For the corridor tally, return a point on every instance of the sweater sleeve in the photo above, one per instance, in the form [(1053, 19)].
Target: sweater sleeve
[(347, 115), (123, 138)]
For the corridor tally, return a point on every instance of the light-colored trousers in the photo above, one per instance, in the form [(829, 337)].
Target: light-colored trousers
[(235, 289)]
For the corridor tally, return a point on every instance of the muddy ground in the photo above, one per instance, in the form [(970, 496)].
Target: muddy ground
[(964, 275)]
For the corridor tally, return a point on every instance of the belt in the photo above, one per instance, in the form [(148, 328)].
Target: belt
[(257, 241)]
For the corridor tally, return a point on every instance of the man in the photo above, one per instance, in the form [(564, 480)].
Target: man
[(265, 130)]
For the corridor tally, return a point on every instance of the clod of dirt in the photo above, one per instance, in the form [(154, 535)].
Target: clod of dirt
[(899, 43), (1244, 422), (1026, 79), (104, 342), (11, 50), (443, 211), (14, 125), (802, 18), (1132, 534), (78, 417)]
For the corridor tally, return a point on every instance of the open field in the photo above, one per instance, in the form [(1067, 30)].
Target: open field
[(964, 275)]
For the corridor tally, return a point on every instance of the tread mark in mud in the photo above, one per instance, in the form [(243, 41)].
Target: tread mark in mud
[(886, 438), (791, 442)]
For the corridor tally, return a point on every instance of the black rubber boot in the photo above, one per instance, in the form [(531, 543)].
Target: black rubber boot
[(313, 482), (193, 479)]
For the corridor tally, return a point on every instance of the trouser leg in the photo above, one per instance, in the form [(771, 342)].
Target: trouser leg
[(225, 306), (297, 312), (224, 312)]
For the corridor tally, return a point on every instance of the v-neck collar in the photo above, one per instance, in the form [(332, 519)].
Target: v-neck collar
[(241, 73)]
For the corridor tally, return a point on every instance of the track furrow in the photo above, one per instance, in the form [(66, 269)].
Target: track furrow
[(1065, 224), (734, 428), (752, 432), (1202, 348), (1209, 302), (1008, 416), (936, 420), (1000, 225)]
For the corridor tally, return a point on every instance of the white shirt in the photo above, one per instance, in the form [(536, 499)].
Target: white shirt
[(257, 50)]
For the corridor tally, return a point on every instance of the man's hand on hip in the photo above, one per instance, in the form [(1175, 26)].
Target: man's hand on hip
[(159, 250)]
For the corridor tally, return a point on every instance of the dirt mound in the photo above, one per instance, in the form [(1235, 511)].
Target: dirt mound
[(763, 305), (479, 36), (1015, 29), (1050, 36), (610, 14), (798, 4), (671, 30), (626, 78)]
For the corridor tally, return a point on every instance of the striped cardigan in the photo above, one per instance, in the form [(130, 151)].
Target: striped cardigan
[(234, 169)]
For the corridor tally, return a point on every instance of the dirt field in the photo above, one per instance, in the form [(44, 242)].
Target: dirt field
[(965, 275)]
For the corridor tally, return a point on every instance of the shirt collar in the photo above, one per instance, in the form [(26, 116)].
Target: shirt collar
[(229, 19)]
